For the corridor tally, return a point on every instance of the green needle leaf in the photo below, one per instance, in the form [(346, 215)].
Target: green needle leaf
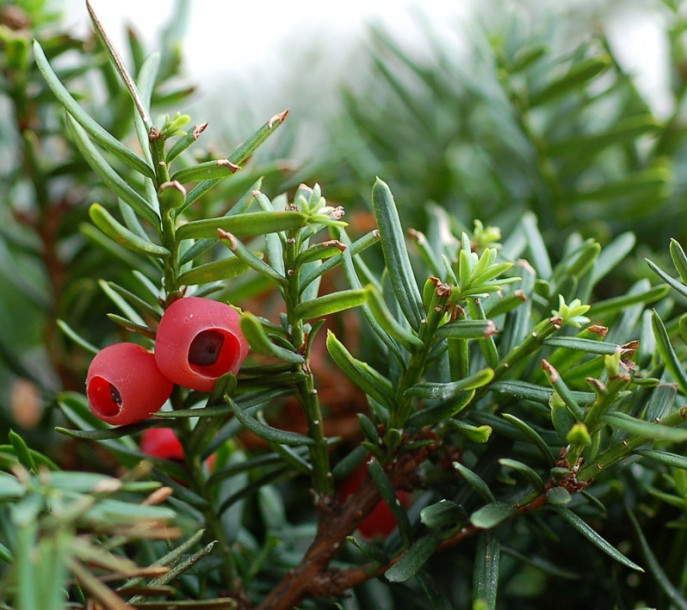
[(363, 375), (242, 225), (387, 321), (616, 304), (308, 275), (102, 137), (649, 184), (415, 557), (558, 496), (625, 130), (389, 496), (210, 170), (673, 460), (428, 416), (668, 355), (246, 149), (109, 433), (476, 482), (679, 259), (493, 514), (486, 570), (185, 141), (240, 155), (22, 451), (647, 429), (534, 436), (445, 391), (270, 434), (655, 567), (147, 77), (246, 256), (531, 391), (476, 434), (330, 303), (526, 471), (467, 329), (77, 338), (370, 551), (221, 269), (535, 243), (442, 514), (7, 557), (396, 255), (612, 255), (679, 287), (320, 251), (118, 232), (589, 346), (119, 66), (109, 176), (261, 343), (591, 535)]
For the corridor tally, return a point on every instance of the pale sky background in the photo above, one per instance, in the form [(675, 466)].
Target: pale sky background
[(237, 50)]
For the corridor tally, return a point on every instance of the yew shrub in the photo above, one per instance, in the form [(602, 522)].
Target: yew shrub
[(288, 410)]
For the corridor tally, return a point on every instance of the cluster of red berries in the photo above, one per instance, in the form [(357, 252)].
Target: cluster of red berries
[(198, 340)]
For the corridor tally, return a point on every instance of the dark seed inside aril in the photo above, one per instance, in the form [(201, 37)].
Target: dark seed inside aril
[(205, 348), (116, 396)]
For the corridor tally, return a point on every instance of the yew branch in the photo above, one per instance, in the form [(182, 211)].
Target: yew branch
[(311, 577), (335, 582)]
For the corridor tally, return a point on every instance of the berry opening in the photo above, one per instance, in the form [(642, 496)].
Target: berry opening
[(105, 398), (116, 396), (206, 348), (214, 352)]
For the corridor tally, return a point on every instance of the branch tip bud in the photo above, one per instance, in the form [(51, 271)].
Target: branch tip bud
[(198, 129), (277, 119), (226, 163), (550, 371), (230, 238)]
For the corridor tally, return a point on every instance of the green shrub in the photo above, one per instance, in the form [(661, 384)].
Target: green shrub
[(518, 427)]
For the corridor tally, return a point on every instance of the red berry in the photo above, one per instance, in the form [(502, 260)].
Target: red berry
[(162, 443), (198, 341), (381, 521), (124, 385)]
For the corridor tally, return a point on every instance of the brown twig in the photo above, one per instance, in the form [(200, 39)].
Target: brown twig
[(335, 582), (313, 578), (336, 523)]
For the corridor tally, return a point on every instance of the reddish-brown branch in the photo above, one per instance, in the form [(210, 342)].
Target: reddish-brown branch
[(336, 523), (335, 582), (313, 578)]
